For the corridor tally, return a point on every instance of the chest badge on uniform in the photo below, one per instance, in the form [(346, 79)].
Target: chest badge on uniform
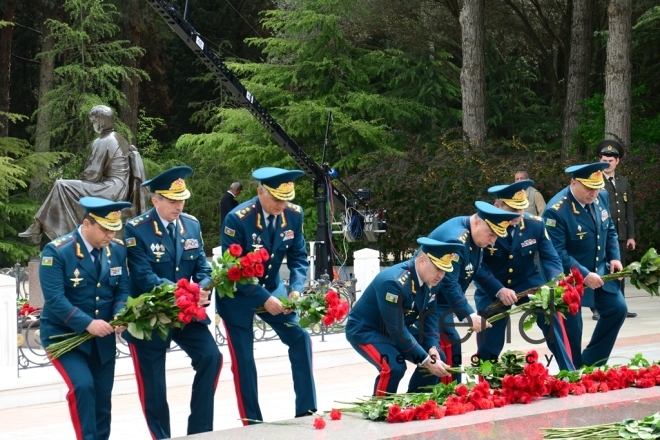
[(580, 233), (528, 242), (191, 243), (115, 271), (468, 270), (603, 215), (76, 280), (158, 249), (492, 250), (288, 235)]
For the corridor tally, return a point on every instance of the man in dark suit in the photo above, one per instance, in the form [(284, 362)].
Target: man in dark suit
[(379, 324), (85, 283), (621, 204), (579, 224), (271, 221), (165, 245), (229, 202)]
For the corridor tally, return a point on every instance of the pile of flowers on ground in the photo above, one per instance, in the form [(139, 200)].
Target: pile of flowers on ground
[(167, 306), (26, 309), (648, 428), (517, 378), (234, 268)]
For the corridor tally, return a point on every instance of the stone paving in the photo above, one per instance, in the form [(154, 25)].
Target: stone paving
[(341, 375)]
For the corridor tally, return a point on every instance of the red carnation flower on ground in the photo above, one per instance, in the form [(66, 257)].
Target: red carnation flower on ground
[(319, 423), (335, 414)]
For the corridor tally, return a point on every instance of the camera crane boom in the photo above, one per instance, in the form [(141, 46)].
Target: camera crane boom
[(318, 174)]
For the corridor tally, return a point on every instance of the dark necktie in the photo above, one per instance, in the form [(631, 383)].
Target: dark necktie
[(97, 260), (590, 208), (170, 230), (611, 179), (271, 227)]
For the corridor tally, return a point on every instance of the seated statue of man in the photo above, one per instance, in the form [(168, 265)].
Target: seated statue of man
[(107, 174)]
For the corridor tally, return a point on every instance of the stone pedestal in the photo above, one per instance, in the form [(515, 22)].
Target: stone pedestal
[(8, 331), (35, 296), (366, 266)]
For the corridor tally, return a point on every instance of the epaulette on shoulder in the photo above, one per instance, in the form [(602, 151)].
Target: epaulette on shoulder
[(191, 217), (118, 241), (61, 241), (293, 207), (535, 218), (401, 279), (141, 220), (463, 236), (244, 213), (557, 206)]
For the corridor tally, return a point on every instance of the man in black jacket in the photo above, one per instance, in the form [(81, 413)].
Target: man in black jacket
[(229, 202), (621, 205)]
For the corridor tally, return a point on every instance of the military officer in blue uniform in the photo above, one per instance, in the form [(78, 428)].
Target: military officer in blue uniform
[(579, 224), (475, 232), (378, 326), (165, 245), (85, 284), (511, 261), (271, 221)]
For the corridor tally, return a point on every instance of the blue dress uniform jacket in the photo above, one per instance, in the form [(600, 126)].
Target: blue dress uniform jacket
[(588, 244), (511, 262), (379, 324), (245, 225), (451, 289), (75, 294), (153, 259)]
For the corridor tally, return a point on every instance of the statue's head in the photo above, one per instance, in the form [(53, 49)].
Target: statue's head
[(102, 118)]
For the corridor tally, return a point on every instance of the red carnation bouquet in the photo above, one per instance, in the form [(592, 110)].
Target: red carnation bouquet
[(320, 304), (167, 306), (231, 269), (560, 296)]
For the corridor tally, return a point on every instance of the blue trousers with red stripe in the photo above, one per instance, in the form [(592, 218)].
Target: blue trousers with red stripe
[(149, 362), (90, 387), (490, 342), (238, 315), (391, 366), (612, 309)]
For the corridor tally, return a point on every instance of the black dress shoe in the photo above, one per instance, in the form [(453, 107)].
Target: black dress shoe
[(631, 315), (596, 316)]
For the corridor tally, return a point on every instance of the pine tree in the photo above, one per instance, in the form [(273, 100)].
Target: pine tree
[(89, 70), (18, 164)]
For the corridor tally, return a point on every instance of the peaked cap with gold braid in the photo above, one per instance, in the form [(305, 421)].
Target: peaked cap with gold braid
[(278, 181), (106, 212), (513, 195), (441, 254), (498, 219), (590, 175), (170, 183)]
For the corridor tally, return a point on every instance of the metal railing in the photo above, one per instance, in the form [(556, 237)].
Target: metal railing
[(31, 354)]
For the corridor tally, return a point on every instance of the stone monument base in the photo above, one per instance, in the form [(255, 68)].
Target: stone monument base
[(519, 422)]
